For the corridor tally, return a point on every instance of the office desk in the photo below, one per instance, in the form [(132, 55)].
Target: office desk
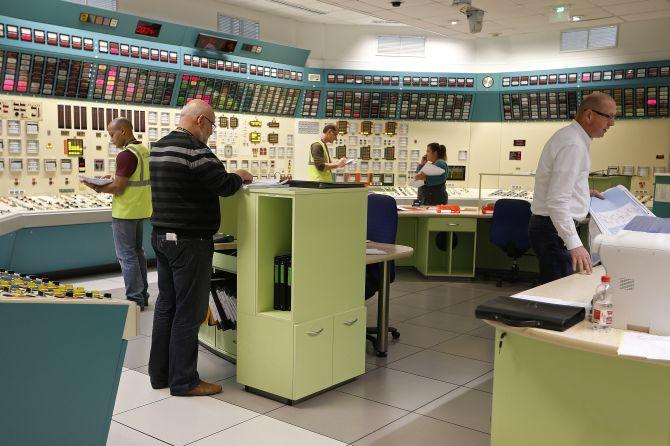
[(445, 244), (393, 252), (571, 388)]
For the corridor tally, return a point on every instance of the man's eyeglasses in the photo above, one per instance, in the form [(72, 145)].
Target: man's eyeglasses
[(210, 121), (604, 115)]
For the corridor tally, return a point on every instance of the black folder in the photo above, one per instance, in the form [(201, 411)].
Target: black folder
[(527, 313), (323, 184)]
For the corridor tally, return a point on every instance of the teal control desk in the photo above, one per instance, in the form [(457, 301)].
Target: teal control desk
[(62, 361)]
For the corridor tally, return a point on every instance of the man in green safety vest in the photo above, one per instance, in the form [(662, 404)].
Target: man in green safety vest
[(131, 205), (320, 165)]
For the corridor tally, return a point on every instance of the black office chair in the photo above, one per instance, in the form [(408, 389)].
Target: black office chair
[(382, 228), (509, 231)]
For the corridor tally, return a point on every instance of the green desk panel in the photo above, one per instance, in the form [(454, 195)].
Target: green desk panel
[(406, 236), (549, 395), (61, 365)]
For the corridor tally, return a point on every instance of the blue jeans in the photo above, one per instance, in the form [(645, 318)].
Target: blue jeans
[(184, 282), (130, 254)]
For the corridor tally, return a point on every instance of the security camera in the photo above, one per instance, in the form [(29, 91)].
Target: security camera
[(396, 3), (475, 19)]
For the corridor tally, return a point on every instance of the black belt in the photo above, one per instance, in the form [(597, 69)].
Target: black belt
[(183, 234)]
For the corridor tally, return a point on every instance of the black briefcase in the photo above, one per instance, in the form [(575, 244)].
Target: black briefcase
[(526, 313)]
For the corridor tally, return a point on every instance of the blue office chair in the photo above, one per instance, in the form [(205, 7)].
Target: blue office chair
[(382, 228), (509, 231)]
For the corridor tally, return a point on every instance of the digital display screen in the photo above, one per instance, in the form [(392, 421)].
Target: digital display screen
[(148, 29), (456, 173), (209, 42)]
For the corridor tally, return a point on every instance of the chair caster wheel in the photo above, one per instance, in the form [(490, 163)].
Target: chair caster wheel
[(395, 335), (381, 354)]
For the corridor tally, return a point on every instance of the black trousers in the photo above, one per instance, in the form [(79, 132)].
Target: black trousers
[(184, 276), (433, 195), (553, 256)]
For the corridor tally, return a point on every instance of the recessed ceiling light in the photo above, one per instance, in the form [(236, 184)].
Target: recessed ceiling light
[(559, 9), (454, 22), (576, 18)]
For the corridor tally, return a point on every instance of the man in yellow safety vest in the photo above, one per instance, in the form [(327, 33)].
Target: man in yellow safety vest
[(320, 164), (131, 205)]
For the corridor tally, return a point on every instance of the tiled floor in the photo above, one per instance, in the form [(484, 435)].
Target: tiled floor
[(435, 386)]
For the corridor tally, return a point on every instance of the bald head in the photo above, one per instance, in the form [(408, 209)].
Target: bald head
[(121, 123), (198, 118), (120, 131), (596, 114), (595, 101)]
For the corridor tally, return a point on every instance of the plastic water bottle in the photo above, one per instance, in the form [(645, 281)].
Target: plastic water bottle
[(602, 308)]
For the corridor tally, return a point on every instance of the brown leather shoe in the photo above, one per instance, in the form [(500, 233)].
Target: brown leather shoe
[(204, 389)]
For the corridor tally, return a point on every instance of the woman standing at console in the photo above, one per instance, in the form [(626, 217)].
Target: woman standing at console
[(434, 191)]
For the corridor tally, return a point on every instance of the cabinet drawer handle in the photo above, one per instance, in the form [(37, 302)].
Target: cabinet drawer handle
[(351, 322), (315, 332), (452, 224)]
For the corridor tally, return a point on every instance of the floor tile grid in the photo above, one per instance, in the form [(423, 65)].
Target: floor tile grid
[(482, 290), (464, 386), (139, 432), (404, 292), (401, 293), (194, 441), (229, 427)]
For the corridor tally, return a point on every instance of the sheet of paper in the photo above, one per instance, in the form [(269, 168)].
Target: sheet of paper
[(374, 251), (616, 210), (644, 345), (610, 215), (96, 181), (431, 170), (551, 300), (261, 184)]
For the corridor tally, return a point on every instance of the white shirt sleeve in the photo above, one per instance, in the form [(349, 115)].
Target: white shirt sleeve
[(564, 174)]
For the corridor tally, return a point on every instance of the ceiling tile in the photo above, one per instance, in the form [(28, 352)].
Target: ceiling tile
[(638, 7), (646, 16)]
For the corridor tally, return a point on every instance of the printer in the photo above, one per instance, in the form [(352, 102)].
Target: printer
[(637, 259)]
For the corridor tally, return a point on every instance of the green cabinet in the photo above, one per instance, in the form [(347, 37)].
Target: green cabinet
[(348, 330), (320, 342), (446, 246), (313, 360)]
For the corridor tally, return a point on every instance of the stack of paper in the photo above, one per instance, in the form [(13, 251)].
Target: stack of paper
[(610, 215), (431, 170), (644, 345), (616, 210), (262, 184), (96, 181), (551, 300)]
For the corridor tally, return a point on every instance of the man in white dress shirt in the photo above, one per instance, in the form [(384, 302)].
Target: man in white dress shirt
[(562, 196)]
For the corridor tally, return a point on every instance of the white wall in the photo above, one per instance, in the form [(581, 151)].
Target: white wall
[(355, 47)]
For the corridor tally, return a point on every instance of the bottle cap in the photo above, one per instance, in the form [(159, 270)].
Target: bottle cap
[(605, 279)]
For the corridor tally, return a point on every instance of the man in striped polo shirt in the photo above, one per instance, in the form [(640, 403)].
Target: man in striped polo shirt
[(186, 182)]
